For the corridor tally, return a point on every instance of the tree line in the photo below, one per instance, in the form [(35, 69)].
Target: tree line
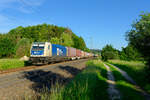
[(138, 38), (128, 53), (17, 42)]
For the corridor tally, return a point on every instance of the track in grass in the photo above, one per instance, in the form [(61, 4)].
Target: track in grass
[(132, 90), (114, 94)]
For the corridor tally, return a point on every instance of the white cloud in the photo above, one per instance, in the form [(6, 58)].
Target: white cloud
[(32, 2), (25, 6), (8, 21), (7, 1), (2, 19)]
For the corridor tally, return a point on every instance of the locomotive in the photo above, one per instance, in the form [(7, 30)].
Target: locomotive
[(45, 52)]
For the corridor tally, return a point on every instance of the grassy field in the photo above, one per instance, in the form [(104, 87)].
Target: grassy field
[(87, 85), (10, 63), (127, 90), (137, 70), (90, 84)]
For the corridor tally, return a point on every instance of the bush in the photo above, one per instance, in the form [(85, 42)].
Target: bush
[(139, 36), (23, 48), (130, 53), (108, 52), (6, 47)]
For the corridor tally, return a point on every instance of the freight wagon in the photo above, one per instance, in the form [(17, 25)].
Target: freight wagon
[(45, 52), (78, 53), (71, 53)]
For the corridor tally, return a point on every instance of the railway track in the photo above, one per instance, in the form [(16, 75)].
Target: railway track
[(18, 82), (28, 68)]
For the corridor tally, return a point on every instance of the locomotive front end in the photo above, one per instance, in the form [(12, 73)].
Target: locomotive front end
[(39, 53)]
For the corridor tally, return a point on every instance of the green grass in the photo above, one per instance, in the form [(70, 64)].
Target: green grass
[(10, 63), (90, 84), (137, 70), (128, 91)]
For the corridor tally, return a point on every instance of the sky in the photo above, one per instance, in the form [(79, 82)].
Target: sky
[(99, 22)]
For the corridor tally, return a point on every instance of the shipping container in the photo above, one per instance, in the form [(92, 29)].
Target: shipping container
[(86, 54), (82, 54), (90, 54), (71, 52), (78, 53), (59, 50)]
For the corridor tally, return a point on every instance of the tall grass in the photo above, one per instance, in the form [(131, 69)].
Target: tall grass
[(10, 63), (137, 70), (90, 84)]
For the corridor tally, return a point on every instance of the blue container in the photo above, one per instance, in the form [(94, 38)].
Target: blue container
[(59, 50)]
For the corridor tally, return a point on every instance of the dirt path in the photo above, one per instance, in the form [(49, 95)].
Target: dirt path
[(114, 94), (127, 77), (16, 84)]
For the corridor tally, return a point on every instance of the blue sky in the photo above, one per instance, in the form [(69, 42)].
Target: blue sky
[(99, 22)]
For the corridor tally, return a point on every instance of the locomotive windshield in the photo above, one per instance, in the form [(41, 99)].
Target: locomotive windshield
[(36, 48)]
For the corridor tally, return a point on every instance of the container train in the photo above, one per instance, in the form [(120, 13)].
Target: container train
[(45, 52)]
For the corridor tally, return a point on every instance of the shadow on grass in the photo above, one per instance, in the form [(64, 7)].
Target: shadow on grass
[(128, 91), (27, 63), (46, 79), (43, 79), (72, 70), (90, 84)]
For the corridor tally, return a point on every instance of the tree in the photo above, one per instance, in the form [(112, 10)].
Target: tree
[(79, 42), (139, 36), (87, 50), (108, 52), (66, 40), (130, 53), (42, 33), (6, 47), (82, 44), (55, 40), (96, 51)]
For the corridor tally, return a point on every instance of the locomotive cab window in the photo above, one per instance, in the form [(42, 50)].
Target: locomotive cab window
[(38, 48)]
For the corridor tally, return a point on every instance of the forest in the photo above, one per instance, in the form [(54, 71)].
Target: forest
[(138, 38), (129, 67), (17, 42)]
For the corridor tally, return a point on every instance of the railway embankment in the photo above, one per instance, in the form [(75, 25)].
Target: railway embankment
[(25, 82), (74, 80)]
